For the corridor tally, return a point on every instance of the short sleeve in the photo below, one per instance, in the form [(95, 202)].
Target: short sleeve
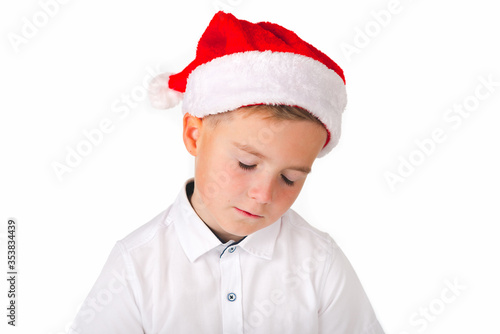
[(111, 306), (344, 306)]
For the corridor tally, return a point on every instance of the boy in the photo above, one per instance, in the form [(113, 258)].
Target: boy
[(229, 255)]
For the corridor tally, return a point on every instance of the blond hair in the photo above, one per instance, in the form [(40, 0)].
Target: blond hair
[(269, 111)]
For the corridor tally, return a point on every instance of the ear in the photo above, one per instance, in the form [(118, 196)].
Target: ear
[(191, 132)]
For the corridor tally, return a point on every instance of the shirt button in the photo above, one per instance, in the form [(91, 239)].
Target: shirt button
[(231, 297), (232, 249)]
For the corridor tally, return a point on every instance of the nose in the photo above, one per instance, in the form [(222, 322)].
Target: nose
[(261, 190)]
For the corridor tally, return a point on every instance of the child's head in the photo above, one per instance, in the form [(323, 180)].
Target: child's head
[(260, 105), (250, 165)]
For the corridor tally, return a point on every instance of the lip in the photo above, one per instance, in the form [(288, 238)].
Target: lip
[(247, 214)]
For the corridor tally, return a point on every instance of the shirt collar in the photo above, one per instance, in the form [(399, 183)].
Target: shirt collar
[(261, 243), (194, 236), (197, 239)]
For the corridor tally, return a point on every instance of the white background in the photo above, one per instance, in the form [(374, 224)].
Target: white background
[(439, 225)]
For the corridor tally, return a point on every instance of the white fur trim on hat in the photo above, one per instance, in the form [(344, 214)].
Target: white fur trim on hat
[(247, 78)]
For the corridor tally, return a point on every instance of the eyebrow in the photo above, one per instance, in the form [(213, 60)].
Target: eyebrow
[(249, 149), (253, 151)]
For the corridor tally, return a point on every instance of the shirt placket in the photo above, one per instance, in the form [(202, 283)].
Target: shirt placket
[(231, 295)]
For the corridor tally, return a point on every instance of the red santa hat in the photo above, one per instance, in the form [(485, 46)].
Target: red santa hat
[(239, 63)]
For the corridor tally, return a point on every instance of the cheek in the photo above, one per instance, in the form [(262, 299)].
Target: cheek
[(206, 179), (219, 178), (288, 196), (236, 179)]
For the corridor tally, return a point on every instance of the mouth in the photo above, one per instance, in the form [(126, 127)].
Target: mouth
[(248, 214)]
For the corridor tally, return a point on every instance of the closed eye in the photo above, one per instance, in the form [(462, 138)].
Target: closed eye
[(287, 181), (246, 167)]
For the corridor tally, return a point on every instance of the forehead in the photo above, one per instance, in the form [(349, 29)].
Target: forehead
[(269, 136), (249, 124)]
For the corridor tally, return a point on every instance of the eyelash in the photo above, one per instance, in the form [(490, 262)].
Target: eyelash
[(283, 177), (287, 181), (246, 167)]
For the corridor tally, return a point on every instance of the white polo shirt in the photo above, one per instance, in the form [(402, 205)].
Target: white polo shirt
[(173, 275)]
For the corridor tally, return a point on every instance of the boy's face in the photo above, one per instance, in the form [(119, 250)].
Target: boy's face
[(249, 170)]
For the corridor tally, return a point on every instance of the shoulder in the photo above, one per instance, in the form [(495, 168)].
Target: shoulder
[(148, 232), (306, 239), (295, 226)]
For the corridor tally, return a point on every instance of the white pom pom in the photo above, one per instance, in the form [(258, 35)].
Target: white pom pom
[(160, 95)]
